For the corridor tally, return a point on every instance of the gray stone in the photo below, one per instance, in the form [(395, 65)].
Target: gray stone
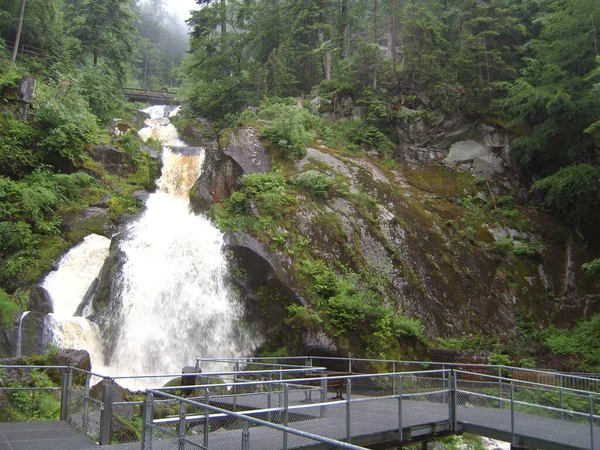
[(39, 299), (36, 333), (79, 359), (88, 221), (115, 161), (488, 166), (27, 89), (222, 167), (318, 343), (466, 151)]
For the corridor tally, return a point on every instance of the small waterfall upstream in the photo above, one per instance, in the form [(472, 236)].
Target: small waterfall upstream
[(175, 305)]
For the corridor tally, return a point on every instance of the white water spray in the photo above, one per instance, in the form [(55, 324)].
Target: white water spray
[(67, 287), (20, 334), (175, 305)]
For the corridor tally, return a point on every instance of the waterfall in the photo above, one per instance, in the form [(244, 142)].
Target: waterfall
[(174, 303), (20, 334), (67, 286)]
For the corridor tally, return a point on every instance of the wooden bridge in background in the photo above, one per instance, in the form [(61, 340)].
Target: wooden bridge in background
[(162, 97)]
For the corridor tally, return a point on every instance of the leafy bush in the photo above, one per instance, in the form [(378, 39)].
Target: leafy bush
[(592, 267), (291, 130), (314, 181), (573, 194), (584, 340)]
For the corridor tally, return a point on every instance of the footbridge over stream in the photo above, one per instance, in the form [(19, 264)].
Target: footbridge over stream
[(161, 97), (316, 403)]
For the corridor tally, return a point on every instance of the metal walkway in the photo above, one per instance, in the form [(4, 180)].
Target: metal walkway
[(279, 406), (43, 436)]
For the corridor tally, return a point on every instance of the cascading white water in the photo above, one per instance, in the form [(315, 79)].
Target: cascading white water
[(67, 286), (175, 305), (20, 334)]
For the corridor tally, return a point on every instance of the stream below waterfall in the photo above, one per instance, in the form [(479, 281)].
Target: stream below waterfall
[(174, 303)]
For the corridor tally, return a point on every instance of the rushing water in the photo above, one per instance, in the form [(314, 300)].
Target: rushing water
[(175, 304)]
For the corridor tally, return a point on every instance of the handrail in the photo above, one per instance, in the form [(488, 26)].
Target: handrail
[(337, 444)]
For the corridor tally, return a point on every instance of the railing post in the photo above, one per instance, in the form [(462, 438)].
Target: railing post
[(86, 396), (148, 417), (234, 391), (106, 412), (348, 412), (285, 414), (181, 426), (560, 396), (400, 425), (349, 362), (246, 436), (323, 395), (206, 417), (270, 399), (452, 404), (197, 367), (592, 421), (394, 379), (512, 411), (65, 398)]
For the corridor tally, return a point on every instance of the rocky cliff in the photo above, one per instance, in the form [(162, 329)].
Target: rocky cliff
[(445, 232)]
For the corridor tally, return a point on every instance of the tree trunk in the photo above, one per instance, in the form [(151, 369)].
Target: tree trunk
[(19, 28), (223, 23), (375, 24), (393, 37), (345, 25), (96, 55)]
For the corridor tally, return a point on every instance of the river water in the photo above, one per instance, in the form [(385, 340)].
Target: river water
[(175, 303)]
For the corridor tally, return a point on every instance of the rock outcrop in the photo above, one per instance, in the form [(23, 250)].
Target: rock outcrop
[(419, 233), (239, 152), (115, 161)]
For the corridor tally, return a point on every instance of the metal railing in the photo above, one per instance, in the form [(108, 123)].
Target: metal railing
[(278, 414), (581, 381), (275, 403)]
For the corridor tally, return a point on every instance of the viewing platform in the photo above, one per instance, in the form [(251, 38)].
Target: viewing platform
[(317, 403)]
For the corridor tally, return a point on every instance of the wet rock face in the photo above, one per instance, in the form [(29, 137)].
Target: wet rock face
[(104, 295), (91, 220), (264, 283), (115, 161), (35, 334), (239, 152), (39, 300)]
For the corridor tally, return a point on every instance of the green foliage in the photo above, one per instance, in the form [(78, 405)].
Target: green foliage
[(213, 100), (8, 310), (591, 267), (314, 182), (353, 309), (573, 193), (584, 341), (291, 130), (69, 125), (16, 158), (354, 134), (30, 213)]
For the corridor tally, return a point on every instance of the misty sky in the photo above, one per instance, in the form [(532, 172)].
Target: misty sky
[(181, 8)]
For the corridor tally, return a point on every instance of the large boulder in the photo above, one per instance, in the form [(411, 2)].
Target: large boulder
[(35, 333), (115, 161), (239, 152), (91, 220), (39, 299), (79, 359)]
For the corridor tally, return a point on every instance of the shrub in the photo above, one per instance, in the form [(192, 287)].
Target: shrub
[(291, 130), (314, 181), (573, 194)]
